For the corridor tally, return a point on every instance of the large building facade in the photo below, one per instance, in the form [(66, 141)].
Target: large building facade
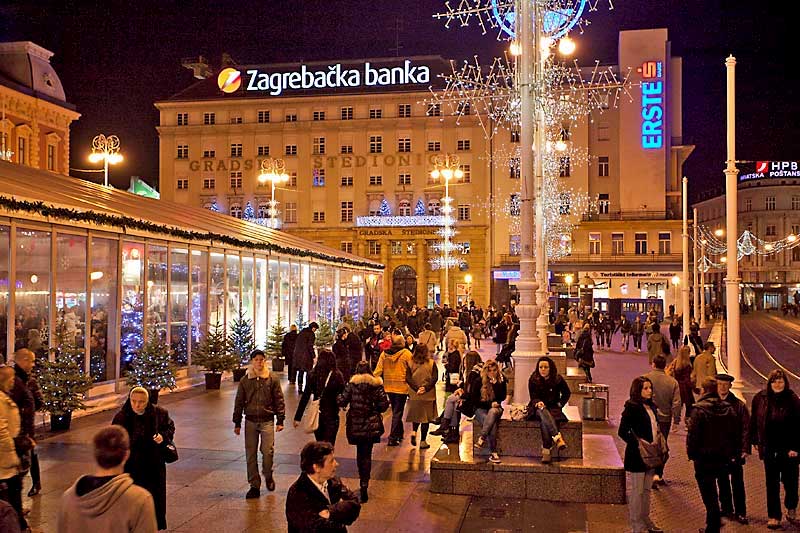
[(360, 138)]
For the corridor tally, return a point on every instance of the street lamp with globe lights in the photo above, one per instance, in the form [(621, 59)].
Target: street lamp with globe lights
[(446, 167), (105, 149), (676, 280), (719, 232), (569, 279), (273, 171)]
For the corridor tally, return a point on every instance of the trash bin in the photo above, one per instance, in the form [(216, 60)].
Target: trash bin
[(594, 408)]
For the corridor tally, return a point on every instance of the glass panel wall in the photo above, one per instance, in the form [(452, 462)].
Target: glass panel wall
[(70, 286), (296, 302), (157, 291), (285, 293), (4, 294), (179, 305), (314, 307), (132, 303), (199, 296), (273, 293), (305, 284), (233, 298), (260, 319), (247, 287), (32, 291), (216, 294), (103, 279)]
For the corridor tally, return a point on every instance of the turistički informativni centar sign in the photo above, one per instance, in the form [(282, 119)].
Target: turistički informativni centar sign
[(334, 76)]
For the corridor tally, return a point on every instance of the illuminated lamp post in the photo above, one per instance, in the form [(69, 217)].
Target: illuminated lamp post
[(569, 279), (685, 245), (447, 168), (273, 171), (105, 149), (676, 280), (695, 285), (468, 281), (703, 284)]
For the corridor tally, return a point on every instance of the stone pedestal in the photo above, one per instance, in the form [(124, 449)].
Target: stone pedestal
[(523, 438)]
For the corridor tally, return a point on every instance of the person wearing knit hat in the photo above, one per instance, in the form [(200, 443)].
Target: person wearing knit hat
[(731, 482)]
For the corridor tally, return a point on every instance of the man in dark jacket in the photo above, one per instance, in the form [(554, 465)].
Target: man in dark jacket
[(22, 396), (372, 350), (733, 476), (303, 357), (287, 351), (713, 441), (318, 500), (24, 361), (260, 398)]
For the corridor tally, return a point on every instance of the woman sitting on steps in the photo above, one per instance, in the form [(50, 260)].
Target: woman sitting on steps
[(549, 394)]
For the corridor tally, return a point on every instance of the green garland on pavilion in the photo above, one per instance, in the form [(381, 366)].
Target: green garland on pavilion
[(104, 219)]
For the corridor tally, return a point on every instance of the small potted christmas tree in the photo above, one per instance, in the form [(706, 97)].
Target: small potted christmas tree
[(152, 367), (215, 355), (62, 380), (274, 345), (325, 334), (242, 343)]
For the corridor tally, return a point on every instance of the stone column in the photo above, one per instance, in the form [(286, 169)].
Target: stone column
[(422, 272), (387, 273), (35, 142)]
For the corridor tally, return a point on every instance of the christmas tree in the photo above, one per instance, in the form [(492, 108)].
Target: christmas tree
[(62, 381), (324, 334), (384, 209), (152, 366), (419, 210), (249, 212), (131, 330), (300, 321), (214, 353), (275, 339), (241, 339)]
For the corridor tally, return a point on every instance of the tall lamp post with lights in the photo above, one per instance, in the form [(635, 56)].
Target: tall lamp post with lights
[(446, 167), (105, 149), (703, 283), (273, 171)]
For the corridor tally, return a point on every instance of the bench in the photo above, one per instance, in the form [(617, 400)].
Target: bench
[(523, 438)]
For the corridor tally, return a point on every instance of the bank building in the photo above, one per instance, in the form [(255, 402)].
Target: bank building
[(359, 139)]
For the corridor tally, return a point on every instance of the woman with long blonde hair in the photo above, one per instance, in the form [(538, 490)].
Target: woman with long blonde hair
[(682, 372), (485, 398)]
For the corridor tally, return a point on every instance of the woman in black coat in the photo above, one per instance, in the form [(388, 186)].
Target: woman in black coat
[(150, 429), (342, 353), (549, 393), (584, 352), (639, 421), (368, 401), (326, 383)]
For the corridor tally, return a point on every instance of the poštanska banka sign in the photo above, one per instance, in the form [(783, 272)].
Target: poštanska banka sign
[(334, 76)]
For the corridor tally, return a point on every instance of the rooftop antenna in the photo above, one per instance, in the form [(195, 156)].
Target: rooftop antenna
[(398, 27), (198, 65)]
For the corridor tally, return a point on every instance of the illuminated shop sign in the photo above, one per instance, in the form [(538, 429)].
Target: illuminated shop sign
[(652, 104), (335, 76), (769, 169), (506, 274)]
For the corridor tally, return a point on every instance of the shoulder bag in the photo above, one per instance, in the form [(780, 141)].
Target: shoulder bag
[(310, 420), (169, 453), (654, 454)]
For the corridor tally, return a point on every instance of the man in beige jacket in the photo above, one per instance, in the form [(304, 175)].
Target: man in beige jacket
[(705, 366)]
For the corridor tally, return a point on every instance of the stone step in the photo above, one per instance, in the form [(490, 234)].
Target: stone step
[(597, 477), (575, 376), (523, 438)]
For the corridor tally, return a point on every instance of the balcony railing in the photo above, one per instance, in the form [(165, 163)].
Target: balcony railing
[(506, 259), (628, 215)]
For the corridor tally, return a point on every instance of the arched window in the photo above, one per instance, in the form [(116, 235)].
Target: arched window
[(404, 208), (263, 210), (236, 211), (434, 207)]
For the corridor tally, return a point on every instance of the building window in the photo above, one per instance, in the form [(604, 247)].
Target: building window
[(603, 204), (236, 211), (411, 247), (796, 253), (770, 203), (236, 179), (291, 149), (318, 146), (795, 203), (183, 183), (290, 212), (664, 243), (564, 203), (434, 146), (318, 177), (404, 144), (603, 132), (347, 181), (318, 216), (463, 144), (464, 108), (641, 243), (318, 115), (209, 183), (594, 243), (263, 211), (467, 170), (404, 110), (183, 119), (51, 157), (434, 208), (209, 119), (514, 245), (434, 110), (602, 166), (292, 180), (564, 167), (209, 154), (236, 150), (374, 247), (375, 144), (347, 149), (236, 119), (463, 212), (514, 136), (404, 208), (771, 230), (291, 117), (514, 205), (346, 246), (263, 116), (263, 150), (617, 244), (514, 169), (396, 247), (183, 151), (748, 204), (376, 180), (347, 114), (347, 211), (375, 112), (404, 179)]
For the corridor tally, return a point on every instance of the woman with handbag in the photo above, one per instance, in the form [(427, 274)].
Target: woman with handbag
[(368, 401), (584, 353), (638, 427), (421, 377), (322, 416), (151, 432)]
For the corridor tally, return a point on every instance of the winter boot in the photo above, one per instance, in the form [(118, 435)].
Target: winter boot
[(452, 436)]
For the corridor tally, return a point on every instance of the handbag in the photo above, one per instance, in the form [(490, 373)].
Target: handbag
[(654, 454), (310, 420), (169, 452)]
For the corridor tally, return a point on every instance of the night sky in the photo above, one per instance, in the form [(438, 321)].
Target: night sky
[(116, 58)]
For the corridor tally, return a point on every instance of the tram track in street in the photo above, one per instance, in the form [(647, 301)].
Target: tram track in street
[(763, 353)]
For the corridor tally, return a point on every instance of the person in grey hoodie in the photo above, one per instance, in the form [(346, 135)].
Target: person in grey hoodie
[(107, 501)]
